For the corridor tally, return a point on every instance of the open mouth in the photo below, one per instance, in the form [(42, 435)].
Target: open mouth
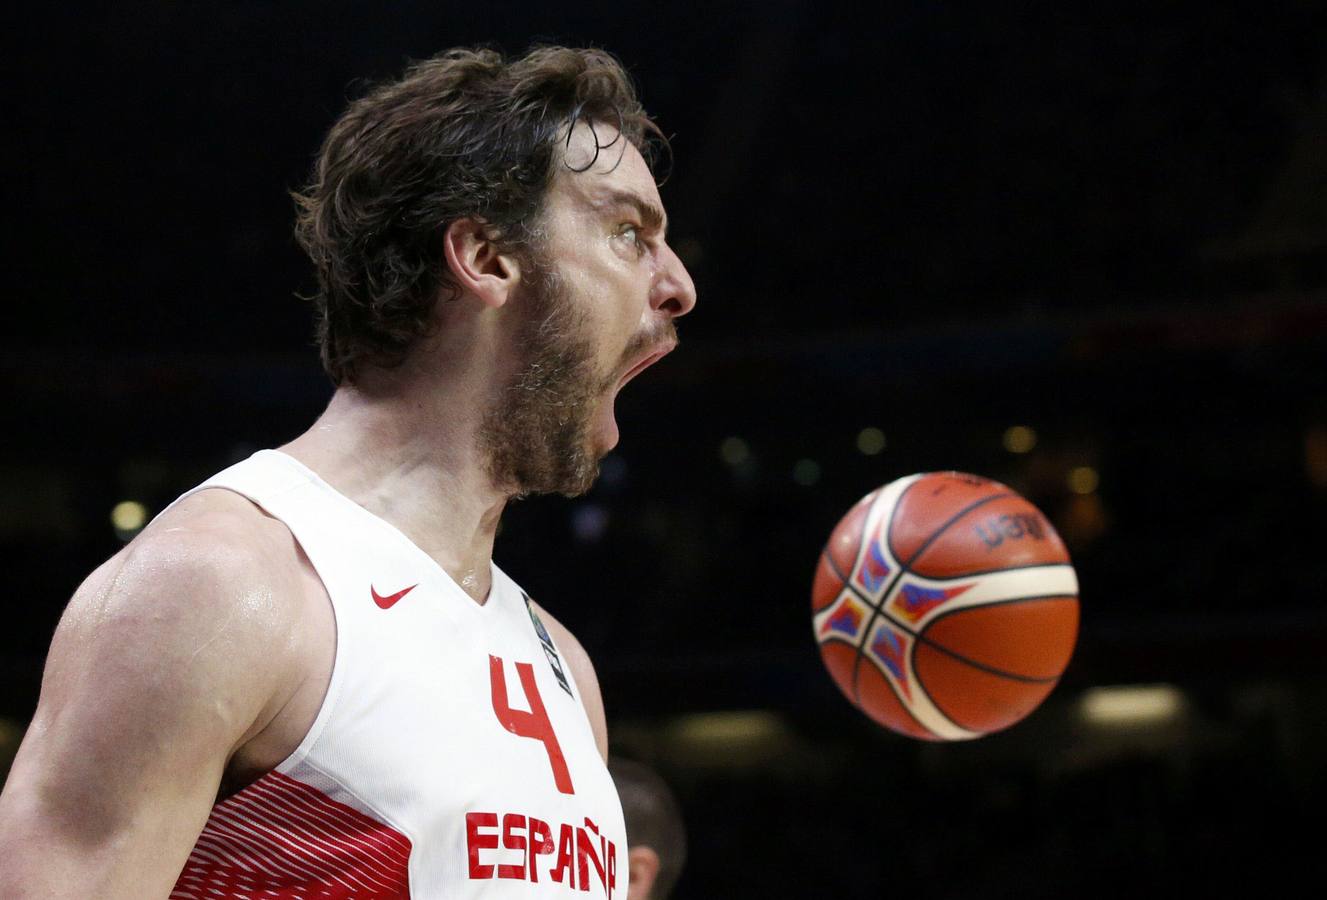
[(650, 359)]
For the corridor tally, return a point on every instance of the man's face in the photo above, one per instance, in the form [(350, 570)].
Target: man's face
[(598, 305)]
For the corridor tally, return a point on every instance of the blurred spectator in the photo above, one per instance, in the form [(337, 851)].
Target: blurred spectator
[(656, 837)]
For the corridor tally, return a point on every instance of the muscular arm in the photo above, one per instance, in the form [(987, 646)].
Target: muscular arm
[(168, 658), (587, 683)]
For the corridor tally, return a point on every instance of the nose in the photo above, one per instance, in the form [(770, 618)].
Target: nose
[(673, 292)]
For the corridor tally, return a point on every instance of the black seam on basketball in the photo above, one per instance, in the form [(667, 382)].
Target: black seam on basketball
[(903, 566), (833, 566), (871, 624), (893, 620), (935, 535), (902, 494), (875, 610), (846, 581), (991, 670), (866, 601), (922, 638), (874, 497), (912, 662), (849, 585), (903, 704), (835, 639)]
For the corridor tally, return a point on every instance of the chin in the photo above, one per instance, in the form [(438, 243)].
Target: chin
[(574, 470), (579, 484), (602, 446), (563, 460)]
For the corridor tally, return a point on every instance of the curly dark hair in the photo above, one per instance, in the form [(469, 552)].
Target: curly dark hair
[(466, 134)]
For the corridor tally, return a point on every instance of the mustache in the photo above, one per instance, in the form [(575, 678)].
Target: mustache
[(642, 341), (663, 334)]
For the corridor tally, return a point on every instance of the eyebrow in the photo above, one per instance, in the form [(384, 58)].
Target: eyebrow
[(651, 216)]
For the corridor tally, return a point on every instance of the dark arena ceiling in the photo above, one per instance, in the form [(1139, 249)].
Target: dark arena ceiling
[(915, 230)]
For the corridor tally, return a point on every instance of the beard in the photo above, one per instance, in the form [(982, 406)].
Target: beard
[(536, 436)]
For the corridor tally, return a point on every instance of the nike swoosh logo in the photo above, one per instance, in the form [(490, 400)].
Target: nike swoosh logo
[(390, 600)]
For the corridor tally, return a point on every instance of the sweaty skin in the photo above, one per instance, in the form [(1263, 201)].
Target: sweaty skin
[(196, 659)]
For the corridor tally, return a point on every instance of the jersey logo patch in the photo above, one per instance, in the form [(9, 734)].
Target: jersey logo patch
[(390, 600), (554, 661)]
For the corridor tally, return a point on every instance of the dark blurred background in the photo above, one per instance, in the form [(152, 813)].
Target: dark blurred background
[(1075, 247)]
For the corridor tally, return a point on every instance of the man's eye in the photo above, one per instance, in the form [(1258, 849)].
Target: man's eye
[(632, 234)]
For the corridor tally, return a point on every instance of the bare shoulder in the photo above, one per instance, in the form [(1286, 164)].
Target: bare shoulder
[(169, 657), (203, 604), (214, 567), (582, 669), (222, 531)]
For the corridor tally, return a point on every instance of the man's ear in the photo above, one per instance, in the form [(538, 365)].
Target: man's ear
[(643, 868), (478, 264)]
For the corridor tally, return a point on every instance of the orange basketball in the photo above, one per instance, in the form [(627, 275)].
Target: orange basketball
[(945, 606)]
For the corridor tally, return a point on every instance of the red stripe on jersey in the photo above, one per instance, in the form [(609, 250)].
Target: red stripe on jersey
[(279, 839)]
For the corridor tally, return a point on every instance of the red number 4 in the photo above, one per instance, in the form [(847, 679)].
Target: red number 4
[(533, 724)]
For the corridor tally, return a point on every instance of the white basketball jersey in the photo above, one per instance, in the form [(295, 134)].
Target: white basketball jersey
[(452, 756)]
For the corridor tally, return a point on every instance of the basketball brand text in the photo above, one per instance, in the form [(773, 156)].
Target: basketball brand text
[(996, 529), (510, 846)]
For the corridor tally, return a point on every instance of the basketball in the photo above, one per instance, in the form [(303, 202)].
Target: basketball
[(945, 606)]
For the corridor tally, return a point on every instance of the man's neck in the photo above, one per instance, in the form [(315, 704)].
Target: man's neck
[(416, 467)]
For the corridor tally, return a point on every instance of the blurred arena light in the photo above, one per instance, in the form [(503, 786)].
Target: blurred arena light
[(806, 472), (589, 521), (734, 451), (733, 738), (1132, 705), (871, 441), (1083, 480), (128, 518), (1019, 439), (1084, 519)]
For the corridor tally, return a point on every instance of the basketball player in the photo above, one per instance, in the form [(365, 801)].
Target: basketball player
[(306, 678), (656, 837)]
